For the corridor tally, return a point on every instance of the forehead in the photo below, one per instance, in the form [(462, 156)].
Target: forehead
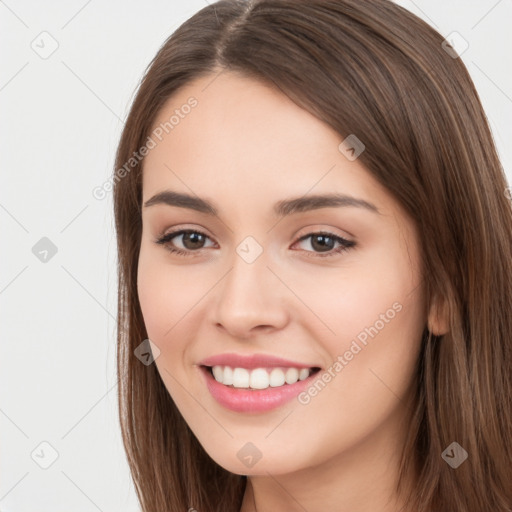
[(247, 141)]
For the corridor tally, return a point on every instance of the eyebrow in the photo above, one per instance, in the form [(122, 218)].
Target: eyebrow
[(281, 208)]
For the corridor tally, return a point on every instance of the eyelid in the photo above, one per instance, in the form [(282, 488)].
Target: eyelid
[(179, 229), (321, 228)]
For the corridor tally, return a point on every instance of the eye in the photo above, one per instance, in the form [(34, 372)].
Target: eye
[(193, 241), (325, 242)]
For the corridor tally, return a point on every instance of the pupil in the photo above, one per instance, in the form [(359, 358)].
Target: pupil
[(323, 246), (196, 242)]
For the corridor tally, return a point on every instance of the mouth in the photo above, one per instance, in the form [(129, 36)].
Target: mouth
[(256, 390)]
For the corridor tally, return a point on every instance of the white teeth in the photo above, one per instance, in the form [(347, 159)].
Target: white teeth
[(240, 378), (276, 377), (218, 373), (291, 376), (303, 374), (227, 376), (259, 378)]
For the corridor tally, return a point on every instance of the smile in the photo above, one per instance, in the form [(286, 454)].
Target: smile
[(255, 390)]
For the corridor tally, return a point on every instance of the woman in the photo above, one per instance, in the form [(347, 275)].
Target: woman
[(314, 242)]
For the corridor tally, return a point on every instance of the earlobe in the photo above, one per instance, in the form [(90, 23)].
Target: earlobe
[(438, 323)]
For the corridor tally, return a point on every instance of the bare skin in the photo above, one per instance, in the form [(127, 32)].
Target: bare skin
[(244, 147)]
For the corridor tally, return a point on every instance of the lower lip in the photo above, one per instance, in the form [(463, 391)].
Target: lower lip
[(260, 400)]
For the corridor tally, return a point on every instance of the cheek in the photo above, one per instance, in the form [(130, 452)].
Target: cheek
[(377, 313), (370, 312), (377, 316), (344, 302), (163, 294), (165, 298), (172, 299), (153, 299)]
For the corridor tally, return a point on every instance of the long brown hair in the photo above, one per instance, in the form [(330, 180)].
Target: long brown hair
[(373, 69)]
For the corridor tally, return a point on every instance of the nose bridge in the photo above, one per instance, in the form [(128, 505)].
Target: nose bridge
[(249, 295), (249, 274)]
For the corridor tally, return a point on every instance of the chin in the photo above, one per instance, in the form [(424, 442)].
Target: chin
[(277, 464)]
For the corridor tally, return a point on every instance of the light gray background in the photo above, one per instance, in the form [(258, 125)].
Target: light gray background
[(60, 122)]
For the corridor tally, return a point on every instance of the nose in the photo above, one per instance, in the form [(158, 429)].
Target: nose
[(250, 300)]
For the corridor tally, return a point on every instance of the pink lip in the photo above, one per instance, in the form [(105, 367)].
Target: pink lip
[(247, 400), (252, 361)]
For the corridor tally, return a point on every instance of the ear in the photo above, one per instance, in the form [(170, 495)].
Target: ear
[(438, 315)]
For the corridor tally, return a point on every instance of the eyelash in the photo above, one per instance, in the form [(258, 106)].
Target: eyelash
[(345, 244)]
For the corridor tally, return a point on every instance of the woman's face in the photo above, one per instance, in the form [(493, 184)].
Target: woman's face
[(257, 280)]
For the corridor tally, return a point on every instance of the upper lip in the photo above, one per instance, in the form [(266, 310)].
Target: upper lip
[(252, 361)]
